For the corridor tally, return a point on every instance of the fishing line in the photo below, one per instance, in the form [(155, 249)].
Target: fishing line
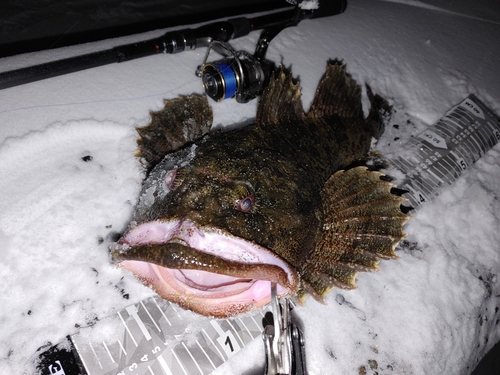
[(69, 104), (230, 80), (419, 4)]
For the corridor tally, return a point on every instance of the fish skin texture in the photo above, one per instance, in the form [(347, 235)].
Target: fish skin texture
[(279, 183)]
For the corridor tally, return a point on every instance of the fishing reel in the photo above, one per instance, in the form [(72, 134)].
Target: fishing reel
[(238, 75), (243, 76)]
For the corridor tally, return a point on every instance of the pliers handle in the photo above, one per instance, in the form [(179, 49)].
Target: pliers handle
[(283, 341)]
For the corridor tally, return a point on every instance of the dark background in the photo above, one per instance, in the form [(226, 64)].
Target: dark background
[(33, 25)]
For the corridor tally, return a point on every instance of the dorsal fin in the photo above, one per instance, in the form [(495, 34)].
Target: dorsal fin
[(280, 101), (181, 121), (337, 94)]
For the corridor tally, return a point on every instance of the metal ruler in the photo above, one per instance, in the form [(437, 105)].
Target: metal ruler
[(437, 157)]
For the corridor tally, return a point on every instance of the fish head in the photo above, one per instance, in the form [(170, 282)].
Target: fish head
[(208, 237)]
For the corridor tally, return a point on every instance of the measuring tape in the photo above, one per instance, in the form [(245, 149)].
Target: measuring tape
[(152, 336), (152, 339), (437, 157)]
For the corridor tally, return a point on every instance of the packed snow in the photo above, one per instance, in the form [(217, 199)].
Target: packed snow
[(69, 182)]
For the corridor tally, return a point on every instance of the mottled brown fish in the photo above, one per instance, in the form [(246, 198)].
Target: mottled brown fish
[(223, 215)]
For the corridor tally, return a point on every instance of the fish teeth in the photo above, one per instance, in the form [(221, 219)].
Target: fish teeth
[(179, 241)]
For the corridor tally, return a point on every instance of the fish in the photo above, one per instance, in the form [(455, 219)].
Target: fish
[(287, 200)]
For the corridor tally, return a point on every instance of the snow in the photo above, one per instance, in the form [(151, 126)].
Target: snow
[(69, 183)]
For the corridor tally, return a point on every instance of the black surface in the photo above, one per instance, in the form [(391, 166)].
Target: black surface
[(34, 25), (490, 364), (60, 360)]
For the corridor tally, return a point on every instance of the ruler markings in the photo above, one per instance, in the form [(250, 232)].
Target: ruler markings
[(246, 328), (256, 324), (95, 354), (235, 331), (452, 157), (426, 188), (179, 361), (81, 357), (438, 169), (426, 147), (472, 143), (459, 120), (493, 130), (429, 178), (462, 112), (164, 365), (412, 196), (194, 359), (127, 329), (465, 113), (451, 120), (425, 184), (121, 347), (215, 324), (109, 353), (447, 132), (448, 167), (469, 138), (465, 149), (435, 177), (162, 313), (206, 355), (454, 153), (477, 145), (483, 135), (407, 166), (447, 126), (173, 308), (213, 344), (132, 310), (220, 339), (150, 317), (454, 169)]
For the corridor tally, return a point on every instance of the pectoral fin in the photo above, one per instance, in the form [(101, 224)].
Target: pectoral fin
[(363, 223), (181, 121)]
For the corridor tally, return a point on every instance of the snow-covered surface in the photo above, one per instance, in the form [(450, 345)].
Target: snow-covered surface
[(435, 310)]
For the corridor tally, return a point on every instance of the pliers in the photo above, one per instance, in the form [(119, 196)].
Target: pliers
[(283, 341)]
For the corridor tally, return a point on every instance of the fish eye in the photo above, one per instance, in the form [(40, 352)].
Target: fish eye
[(170, 178), (245, 204)]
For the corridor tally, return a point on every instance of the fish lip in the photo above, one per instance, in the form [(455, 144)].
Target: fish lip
[(242, 293), (186, 279), (218, 303), (204, 239)]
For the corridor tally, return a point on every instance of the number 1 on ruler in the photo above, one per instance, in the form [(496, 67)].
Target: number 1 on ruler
[(226, 340)]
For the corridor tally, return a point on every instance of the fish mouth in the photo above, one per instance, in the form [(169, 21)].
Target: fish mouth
[(204, 269)]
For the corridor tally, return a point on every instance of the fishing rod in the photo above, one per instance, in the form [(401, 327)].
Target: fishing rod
[(175, 42)]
